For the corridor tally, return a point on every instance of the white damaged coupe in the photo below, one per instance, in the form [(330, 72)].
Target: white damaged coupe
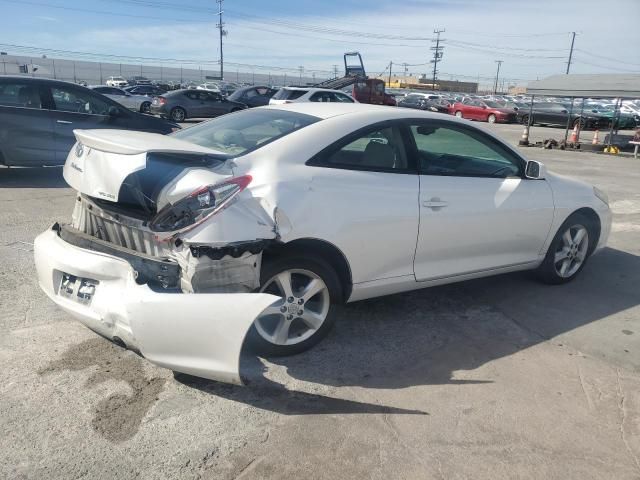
[(253, 224)]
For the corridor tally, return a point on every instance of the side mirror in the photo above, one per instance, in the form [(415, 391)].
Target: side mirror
[(113, 111), (535, 170)]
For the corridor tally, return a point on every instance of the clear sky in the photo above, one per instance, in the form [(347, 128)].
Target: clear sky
[(531, 37)]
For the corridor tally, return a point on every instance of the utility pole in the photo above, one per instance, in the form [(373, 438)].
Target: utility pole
[(390, 67), (223, 32), (495, 85), (437, 55), (335, 71), (573, 39), (301, 70)]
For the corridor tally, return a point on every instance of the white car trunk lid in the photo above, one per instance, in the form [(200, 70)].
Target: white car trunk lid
[(102, 159)]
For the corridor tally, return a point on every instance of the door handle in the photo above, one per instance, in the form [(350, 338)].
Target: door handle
[(435, 203), (64, 122)]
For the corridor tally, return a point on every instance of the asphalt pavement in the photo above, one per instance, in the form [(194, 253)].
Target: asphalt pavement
[(498, 378)]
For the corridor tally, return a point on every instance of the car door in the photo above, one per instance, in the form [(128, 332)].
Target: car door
[(75, 108), (369, 179), (477, 211), (214, 104), (251, 98), (26, 124), (263, 95)]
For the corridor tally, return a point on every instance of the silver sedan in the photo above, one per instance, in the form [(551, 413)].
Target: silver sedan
[(138, 103)]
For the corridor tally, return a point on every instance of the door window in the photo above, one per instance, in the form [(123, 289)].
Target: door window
[(16, 94), (450, 150), (78, 101), (377, 149)]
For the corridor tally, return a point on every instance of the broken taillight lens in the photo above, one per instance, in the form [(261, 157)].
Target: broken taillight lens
[(198, 206)]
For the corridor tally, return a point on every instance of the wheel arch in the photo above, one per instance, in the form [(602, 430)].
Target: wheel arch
[(323, 249), (595, 224)]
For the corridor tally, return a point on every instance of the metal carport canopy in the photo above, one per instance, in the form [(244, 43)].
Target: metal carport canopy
[(623, 85)]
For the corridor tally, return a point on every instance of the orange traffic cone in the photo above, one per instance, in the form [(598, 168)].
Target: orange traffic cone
[(595, 140), (574, 134)]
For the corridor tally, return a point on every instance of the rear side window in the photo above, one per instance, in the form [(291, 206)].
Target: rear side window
[(288, 94), (245, 131), (18, 94)]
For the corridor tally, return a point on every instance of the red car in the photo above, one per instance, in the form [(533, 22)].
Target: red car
[(485, 111)]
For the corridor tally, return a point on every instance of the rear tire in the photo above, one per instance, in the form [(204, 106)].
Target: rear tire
[(459, 114), (569, 250), (491, 118), (178, 114), (145, 107), (318, 309), (525, 119)]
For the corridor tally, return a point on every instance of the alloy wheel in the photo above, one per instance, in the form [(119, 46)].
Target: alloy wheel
[(301, 312), (572, 251)]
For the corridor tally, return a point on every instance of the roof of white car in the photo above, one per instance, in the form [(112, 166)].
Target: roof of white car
[(313, 89), (326, 110)]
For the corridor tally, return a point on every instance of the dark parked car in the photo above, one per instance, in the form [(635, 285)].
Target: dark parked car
[(558, 114), (253, 96), (182, 104), (149, 90), (38, 116), (139, 80), (421, 102)]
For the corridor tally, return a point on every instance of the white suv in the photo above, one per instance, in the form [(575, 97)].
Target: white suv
[(302, 94), (118, 82)]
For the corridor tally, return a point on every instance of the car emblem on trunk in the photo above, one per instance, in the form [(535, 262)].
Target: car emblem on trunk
[(76, 167), (79, 149)]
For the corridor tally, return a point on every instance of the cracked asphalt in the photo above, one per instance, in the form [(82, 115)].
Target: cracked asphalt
[(498, 378)]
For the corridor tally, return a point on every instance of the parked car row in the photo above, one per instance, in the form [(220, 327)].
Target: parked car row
[(503, 109)]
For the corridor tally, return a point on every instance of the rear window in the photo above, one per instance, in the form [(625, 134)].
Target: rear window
[(20, 95), (245, 131), (288, 94)]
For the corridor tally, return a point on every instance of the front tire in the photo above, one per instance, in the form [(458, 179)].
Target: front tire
[(569, 251), (308, 288)]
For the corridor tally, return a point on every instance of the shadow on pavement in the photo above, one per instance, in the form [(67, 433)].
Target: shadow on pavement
[(438, 335), (32, 177)]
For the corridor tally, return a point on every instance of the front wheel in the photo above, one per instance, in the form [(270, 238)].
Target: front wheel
[(568, 252), (304, 315)]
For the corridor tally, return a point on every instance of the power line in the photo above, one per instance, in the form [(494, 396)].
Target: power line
[(101, 12), (606, 58)]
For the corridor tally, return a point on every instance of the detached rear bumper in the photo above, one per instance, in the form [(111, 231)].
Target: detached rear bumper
[(197, 334)]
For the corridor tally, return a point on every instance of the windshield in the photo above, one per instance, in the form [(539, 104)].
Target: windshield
[(245, 131)]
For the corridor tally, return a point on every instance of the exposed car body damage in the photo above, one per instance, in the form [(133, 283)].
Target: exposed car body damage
[(171, 240)]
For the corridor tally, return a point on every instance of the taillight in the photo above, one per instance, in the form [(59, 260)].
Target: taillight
[(162, 100), (198, 206)]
